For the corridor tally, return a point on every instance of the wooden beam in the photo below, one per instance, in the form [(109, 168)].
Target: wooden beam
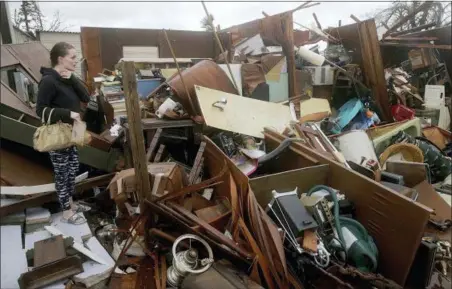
[(355, 18), (373, 66), (407, 17), (415, 29), (38, 200), (317, 21), (417, 45), (413, 39), (136, 132)]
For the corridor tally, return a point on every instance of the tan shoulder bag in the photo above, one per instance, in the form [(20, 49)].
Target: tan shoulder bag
[(49, 137)]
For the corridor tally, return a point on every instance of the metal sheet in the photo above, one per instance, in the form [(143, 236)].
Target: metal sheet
[(205, 73)]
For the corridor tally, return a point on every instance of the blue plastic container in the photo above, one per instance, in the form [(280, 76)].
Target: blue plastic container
[(146, 86)]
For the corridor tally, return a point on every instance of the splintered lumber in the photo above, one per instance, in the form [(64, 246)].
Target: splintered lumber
[(135, 131)]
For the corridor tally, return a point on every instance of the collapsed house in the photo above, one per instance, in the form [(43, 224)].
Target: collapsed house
[(259, 163)]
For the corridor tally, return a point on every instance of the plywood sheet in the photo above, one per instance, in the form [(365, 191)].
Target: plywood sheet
[(240, 114)]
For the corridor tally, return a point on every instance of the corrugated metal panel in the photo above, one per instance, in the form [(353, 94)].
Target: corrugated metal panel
[(49, 39), (140, 52)]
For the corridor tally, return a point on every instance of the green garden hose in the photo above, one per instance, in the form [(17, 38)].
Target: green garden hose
[(361, 252)]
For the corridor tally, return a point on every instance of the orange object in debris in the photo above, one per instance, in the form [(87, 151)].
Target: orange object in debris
[(310, 241)]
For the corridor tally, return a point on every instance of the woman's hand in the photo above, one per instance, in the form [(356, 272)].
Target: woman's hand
[(75, 116), (65, 74)]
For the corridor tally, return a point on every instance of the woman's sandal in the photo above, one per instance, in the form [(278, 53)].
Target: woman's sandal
[(79, 208), (75, 219)]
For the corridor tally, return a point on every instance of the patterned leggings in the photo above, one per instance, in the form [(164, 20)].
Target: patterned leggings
[(65, 167)]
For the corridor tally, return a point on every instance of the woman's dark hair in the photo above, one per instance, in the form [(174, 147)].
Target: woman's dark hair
[(59, 49)]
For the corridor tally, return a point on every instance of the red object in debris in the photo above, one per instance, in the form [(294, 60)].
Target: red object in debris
[(401, 112)]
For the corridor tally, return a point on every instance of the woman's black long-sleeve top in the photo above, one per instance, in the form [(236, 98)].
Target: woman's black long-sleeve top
[(63, 95)]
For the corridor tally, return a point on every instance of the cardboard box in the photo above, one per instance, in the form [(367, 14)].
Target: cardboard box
[(124, 181), (396, 223)]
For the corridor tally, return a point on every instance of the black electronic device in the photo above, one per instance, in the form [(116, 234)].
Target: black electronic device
[(288, 212)]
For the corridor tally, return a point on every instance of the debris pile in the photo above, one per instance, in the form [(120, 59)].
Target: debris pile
[(274, 165)]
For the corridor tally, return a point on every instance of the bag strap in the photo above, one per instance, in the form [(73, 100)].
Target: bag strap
[(50, 115), (43, 114)]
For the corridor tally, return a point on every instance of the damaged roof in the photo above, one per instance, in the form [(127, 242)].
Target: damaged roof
[(31, 55)]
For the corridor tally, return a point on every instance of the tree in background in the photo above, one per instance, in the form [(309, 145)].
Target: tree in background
[(206, 23), (438, 12), (30, 19)]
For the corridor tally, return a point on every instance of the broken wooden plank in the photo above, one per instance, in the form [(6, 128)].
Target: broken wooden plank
[(415, 29), (390, 38), (404, 19), (48, 251), (50, 273), (33, 190), (158, 156), (418, 45), (193, 173), (153, 144), (373, 67), (136, 131), (15, 206)]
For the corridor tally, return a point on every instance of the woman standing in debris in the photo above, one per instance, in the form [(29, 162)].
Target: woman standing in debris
[(61, 91)]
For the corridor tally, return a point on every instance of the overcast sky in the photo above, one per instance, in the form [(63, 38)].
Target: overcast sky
[(187, 15)]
